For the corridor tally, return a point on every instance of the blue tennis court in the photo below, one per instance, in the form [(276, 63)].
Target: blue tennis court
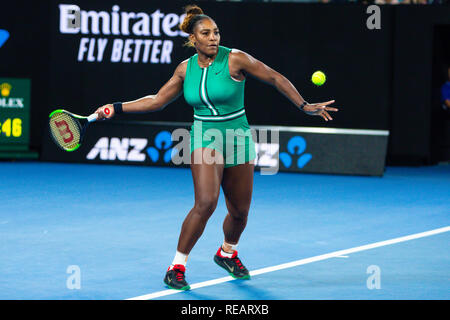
[(309, 236)]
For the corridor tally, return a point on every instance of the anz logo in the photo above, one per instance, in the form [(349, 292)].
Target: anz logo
[(4, 35), (163, 143), (125, 149), (134, 149), (295, 147)]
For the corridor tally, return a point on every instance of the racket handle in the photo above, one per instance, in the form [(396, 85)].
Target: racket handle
[(92, 117)]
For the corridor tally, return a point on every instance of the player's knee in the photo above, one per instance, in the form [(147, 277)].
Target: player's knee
[(206, 204), (239, 213)]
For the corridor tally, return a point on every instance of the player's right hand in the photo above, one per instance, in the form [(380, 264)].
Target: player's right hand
[(105, 112)]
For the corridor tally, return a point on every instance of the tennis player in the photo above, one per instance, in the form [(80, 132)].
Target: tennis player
[(212, 81)]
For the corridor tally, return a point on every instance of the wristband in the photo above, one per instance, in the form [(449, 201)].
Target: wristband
[(118, 107), (303, 105)]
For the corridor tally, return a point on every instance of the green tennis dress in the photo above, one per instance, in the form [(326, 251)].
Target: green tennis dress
[(220, 122)]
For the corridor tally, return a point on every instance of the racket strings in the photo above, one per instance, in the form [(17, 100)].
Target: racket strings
[(66, 131)]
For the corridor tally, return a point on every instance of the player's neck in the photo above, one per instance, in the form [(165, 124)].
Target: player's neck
[(205, 60)]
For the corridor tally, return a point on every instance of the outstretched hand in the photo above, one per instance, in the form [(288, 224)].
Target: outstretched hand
[(320, 109), (105, 112)]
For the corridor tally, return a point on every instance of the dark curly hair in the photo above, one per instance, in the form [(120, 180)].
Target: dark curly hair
[(194, 14)]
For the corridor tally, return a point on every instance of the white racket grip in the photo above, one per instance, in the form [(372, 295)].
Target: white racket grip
[(93, 117)]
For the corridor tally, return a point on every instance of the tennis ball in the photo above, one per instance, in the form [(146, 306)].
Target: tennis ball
[(318, 78)]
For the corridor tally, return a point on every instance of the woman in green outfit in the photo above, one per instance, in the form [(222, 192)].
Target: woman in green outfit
[(213, 81)]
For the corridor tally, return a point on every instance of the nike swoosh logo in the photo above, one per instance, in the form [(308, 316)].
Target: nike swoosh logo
[(229, 268), (169, 279), (218, 72), (4, 35)]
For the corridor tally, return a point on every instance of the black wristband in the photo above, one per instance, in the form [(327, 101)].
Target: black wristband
[(118, 107), (303, 105)]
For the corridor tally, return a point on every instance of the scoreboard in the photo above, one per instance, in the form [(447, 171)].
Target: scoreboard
[(14, 114)]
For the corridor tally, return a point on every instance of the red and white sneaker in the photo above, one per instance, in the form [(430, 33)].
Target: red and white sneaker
[(175, 278), (232, 265)]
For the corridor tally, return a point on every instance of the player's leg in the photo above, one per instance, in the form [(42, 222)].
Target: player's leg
[(237, 186), (206, 178)]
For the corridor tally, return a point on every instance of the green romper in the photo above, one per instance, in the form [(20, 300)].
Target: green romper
[(220, 122)]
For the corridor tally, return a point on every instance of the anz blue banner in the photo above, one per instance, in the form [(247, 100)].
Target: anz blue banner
[(293, 149)]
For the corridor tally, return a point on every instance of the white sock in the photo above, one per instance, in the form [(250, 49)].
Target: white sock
[(228, 254), (225, 254), (180, 258)]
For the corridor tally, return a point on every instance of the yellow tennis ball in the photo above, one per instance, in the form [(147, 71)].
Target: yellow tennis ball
[(318, 78)]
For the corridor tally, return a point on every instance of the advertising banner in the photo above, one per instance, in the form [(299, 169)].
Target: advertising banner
[(289, 149), (14, 114)]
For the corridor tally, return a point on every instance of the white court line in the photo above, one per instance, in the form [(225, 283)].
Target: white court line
[(334, 254)]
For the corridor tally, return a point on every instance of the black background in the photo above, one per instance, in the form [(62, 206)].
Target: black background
[(380, 79)]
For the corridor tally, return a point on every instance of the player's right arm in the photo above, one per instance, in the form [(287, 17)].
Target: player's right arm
[(169, 92)]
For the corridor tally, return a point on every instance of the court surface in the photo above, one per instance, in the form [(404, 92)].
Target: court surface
[(114, 229)]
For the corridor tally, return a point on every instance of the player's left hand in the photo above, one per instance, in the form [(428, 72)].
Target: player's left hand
[(320, 109)]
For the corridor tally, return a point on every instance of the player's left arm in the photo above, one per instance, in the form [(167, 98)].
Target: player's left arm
[(249, 65)]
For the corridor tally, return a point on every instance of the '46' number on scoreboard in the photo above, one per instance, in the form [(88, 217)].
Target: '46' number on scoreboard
[(11, 127)]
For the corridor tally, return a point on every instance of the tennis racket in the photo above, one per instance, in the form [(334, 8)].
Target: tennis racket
[(68, 129)]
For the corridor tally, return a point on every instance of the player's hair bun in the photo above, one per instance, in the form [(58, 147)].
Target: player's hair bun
[(193, 9), (188, 23)]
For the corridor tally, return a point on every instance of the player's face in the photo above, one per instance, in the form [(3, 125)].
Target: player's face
[(206, 37)]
